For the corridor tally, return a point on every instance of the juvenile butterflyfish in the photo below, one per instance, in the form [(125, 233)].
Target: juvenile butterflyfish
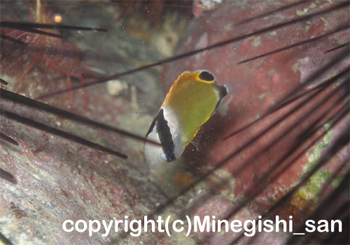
[(190, 102)]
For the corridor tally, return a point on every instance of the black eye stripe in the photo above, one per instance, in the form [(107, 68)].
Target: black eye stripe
[(165, 137), (206, 76), (152, 126)]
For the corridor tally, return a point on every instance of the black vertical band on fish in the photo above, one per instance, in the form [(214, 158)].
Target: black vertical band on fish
[(165, 137)]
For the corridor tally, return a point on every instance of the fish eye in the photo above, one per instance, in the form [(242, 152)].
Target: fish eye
[(169, 152), (206, 76)]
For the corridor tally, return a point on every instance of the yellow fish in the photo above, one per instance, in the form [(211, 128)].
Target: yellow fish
[(190, 102)]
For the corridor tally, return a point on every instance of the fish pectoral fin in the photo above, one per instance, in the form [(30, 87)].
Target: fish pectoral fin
[(197, 137)]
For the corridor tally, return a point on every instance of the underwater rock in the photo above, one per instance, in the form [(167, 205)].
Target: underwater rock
[(57, 179), (257, 85)]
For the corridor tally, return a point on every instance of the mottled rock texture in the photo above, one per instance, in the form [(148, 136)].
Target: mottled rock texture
[(57, 179)]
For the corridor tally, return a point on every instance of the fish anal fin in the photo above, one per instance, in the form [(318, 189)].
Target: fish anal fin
[(198, 135)]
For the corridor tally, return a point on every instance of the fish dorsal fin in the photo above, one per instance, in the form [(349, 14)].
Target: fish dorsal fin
[(195, 141)]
